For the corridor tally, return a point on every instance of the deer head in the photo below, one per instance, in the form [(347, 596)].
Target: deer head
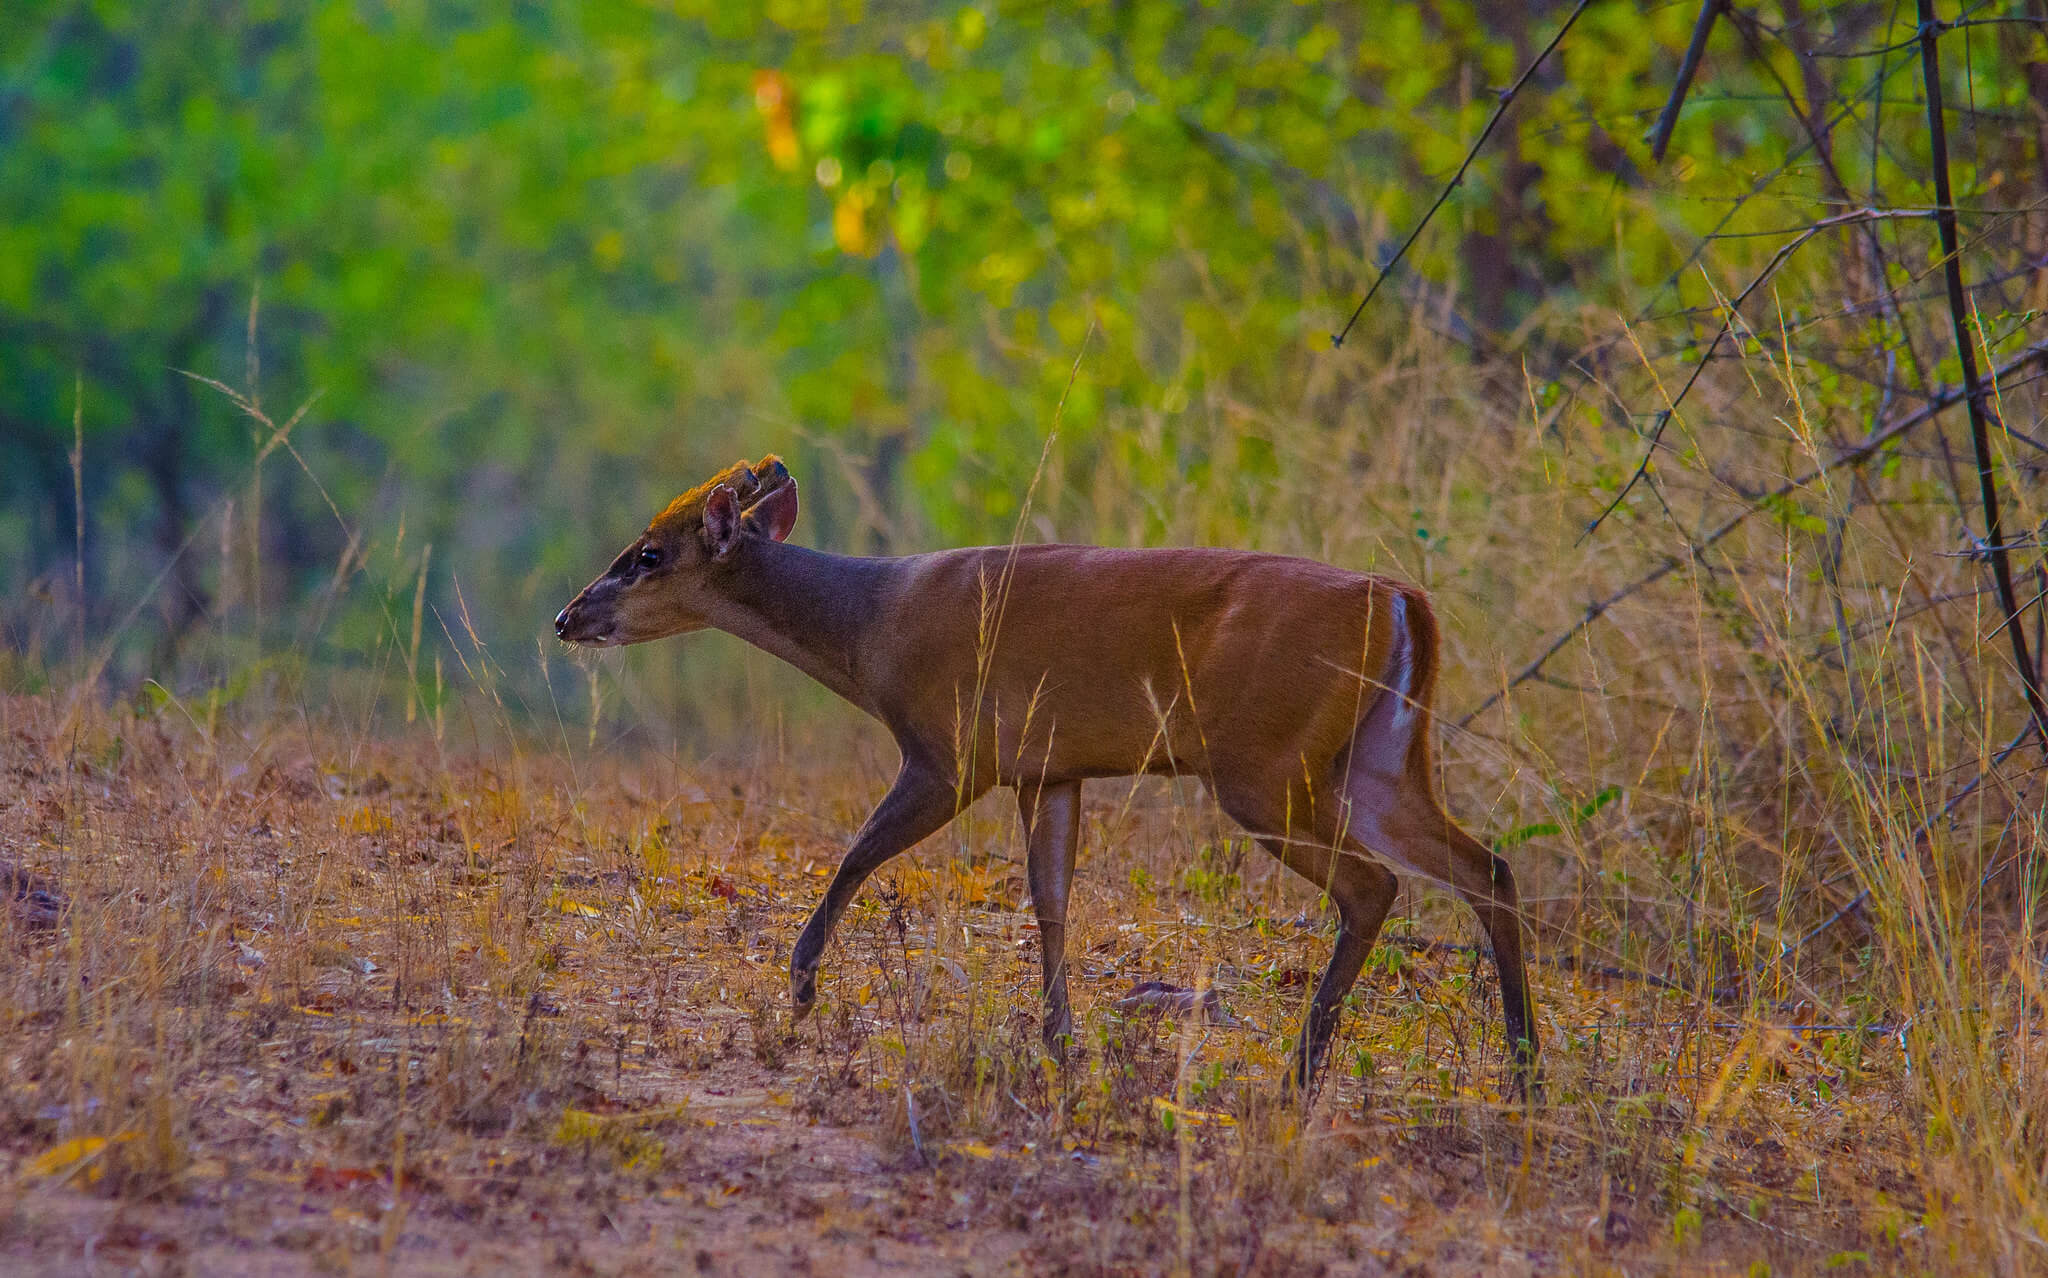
[(667, 580)]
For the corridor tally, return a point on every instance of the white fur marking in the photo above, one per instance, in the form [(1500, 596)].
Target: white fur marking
[(1365, 831), (1403, 668)]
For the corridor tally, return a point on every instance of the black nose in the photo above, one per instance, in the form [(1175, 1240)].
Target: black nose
[(561, 622)]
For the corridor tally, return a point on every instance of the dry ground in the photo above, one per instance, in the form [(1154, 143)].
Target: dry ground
[(314, 1003)]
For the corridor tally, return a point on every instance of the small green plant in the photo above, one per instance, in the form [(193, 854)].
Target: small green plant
[(1213, 878)]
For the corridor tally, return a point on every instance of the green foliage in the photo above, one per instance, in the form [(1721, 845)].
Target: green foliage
[(1576, 817), (1213, 876), (544, 266)]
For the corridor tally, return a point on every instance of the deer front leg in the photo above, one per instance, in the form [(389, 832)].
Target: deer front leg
[(919, 803), (1052, 834)]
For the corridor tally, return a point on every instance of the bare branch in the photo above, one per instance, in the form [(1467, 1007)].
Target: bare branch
[(1507, 99), (1981, 415), (1727, 325), (1660, 137), (1853, 457)]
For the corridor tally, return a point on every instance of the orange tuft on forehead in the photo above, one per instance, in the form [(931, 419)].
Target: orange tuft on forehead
[(748, 482)]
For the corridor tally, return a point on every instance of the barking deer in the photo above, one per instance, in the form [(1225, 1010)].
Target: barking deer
[(1299, 693)]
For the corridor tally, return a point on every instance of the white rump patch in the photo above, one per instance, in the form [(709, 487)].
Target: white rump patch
[(1401, 672), (1379, 744)]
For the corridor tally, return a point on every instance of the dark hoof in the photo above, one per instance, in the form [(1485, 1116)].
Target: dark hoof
[(1056, 1035), (803, 995)]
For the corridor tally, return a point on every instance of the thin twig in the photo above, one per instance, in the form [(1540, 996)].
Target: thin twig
[(1981, 414), (1862, 898), (1660, 137), (1758, 187), (1854, 457), (1729, 315), (2023, 607), (1507, 99), (1946, 26)]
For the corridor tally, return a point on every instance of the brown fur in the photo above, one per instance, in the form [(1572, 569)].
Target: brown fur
[(1299, 692)]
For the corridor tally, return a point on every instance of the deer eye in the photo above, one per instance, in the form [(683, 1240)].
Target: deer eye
[(650, 557)]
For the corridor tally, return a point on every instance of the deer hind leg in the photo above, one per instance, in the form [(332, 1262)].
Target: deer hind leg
[(1394, 814), (1052, 835), (1362, 890)]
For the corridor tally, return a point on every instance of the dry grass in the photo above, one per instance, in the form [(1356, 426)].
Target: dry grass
[(327, 992), (317, 1003)]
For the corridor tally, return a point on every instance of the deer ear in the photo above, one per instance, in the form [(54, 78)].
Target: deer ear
[(774, 515), (721, 522)]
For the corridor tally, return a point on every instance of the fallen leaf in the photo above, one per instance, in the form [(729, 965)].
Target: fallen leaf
[(322, 1177), (58, 1157), (1193, 1117), (567, 905)]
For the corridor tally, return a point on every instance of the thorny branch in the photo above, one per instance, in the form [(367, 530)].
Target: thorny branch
[(1660, 137), (1507, 99), (1981, 414), (1862, 898), (1730, 314), (1853, 457)]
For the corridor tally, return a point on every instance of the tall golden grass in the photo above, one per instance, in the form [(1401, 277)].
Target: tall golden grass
[(1776, 823)]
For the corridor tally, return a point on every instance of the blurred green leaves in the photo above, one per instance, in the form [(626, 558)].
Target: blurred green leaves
[(550, 263)]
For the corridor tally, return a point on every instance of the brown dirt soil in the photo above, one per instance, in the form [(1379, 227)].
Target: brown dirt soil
[(316, 1004)]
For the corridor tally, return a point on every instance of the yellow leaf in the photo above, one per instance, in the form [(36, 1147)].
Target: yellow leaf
[(566, 905), (1193, 1117), (975, 1149), (56, 1159), (365, 820), (578, 1126), (850, 221)]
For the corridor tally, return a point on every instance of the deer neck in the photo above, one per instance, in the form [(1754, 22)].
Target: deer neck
[(814, 610)]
